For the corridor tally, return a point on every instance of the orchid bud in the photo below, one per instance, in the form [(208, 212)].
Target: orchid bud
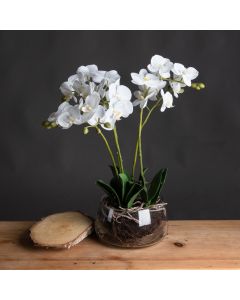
[(85, 130), (107, 125), (53, 125), (194, 85), (198, 86), (46, 124)]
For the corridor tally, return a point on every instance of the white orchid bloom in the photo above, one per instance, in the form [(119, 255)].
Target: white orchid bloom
[(148, 79), (91, 103), (67, 88), (84, 89), (160, 65), (186, 74), (142, 97), (108, 121), (122, 109), (101, 89), (86, 73), (66, 115), (61, 108), (117, 93), (115, 113), (72, 79), (98, 116), (119, 97), (167, 100), (90, 106), (111, 77), (177, 88), (70, 117)]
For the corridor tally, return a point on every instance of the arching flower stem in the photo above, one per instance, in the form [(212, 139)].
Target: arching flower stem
[(120, 160), (157, 104), (108, 148)]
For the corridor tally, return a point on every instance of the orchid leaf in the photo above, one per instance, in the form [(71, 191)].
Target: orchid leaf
[(124, 180), (143, 182), (110, 191), (133, 198), (134, 188), (156, 186)]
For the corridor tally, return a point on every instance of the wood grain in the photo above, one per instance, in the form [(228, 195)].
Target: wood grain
[(189, 245)]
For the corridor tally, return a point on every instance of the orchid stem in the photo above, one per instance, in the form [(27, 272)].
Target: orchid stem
[(140, 143), (135, 159), (108, 148), (137, 144), (120, 160), (150, 112)]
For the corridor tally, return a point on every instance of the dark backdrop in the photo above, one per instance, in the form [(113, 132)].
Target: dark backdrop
[(48, 171)]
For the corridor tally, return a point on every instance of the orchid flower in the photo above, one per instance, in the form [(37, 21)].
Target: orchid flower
[(115, 113), (186, 74), (147, 79), (97, 116), (118, 93), (90, 106), (66, 115), (176, 88), (67, 89), (161, 66), (167, 100), (142, 97), (89, 72)]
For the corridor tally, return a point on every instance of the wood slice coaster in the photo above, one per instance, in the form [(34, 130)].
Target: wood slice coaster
[(61, 230)]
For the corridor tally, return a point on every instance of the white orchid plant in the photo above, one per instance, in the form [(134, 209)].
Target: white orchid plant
[(97, 100)]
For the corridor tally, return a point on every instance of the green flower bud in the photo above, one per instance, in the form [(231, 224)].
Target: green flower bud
[(85, 130), (201, 85), (45, 124), (194, 85), (107, 125), (54, 125)]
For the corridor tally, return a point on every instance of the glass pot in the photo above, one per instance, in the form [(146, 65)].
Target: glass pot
[(131, 228)]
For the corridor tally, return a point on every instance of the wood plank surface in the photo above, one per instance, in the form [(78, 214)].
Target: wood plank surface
[(188, 245)]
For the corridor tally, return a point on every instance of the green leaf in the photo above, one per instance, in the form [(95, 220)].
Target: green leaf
[(143, 178), (164, 175), (156, 186), (144, 194), (134, 187), (133, 198), (130, 178), (109, 190), (124, 180), (115, 183)]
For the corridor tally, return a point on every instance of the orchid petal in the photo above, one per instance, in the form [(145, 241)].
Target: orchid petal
[(192, 73)]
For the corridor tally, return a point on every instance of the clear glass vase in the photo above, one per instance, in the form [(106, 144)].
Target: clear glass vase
[(131, 228)]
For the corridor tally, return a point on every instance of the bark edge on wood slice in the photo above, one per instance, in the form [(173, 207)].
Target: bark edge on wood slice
[(61, 230)]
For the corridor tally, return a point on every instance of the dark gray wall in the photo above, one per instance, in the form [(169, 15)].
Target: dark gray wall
[(48, 171)]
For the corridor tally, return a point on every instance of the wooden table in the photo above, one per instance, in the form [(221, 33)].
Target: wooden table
[(189, 245)]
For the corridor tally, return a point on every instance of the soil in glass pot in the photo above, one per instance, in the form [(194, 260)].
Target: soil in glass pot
[(131, 228)]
